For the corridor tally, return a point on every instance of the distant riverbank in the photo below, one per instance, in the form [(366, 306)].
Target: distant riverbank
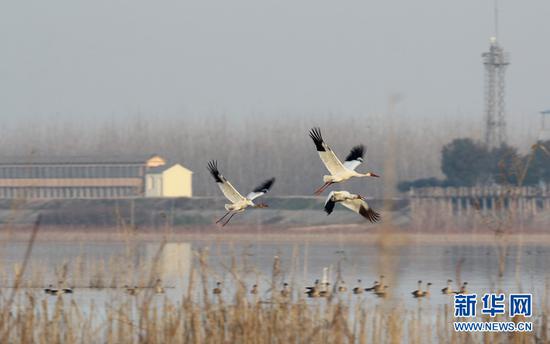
[(344, 234), (294, 216)]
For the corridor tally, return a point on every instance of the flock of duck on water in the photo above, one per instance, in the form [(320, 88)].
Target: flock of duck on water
[(319, 289), (379, 288), (130, 290), (339, 172)]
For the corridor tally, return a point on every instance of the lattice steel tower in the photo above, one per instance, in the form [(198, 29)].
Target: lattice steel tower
[(495, 60)]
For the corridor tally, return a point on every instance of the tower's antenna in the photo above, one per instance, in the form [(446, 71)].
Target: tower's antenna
[(544, 127), (495, 60), (496, 18)]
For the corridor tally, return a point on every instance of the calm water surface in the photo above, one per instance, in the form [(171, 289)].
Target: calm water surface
[(523, 269)]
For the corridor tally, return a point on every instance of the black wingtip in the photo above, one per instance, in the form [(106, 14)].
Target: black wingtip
[(213, 168), (329, 207), (265, 186), (369, 214), (315, 134), (356, 153)]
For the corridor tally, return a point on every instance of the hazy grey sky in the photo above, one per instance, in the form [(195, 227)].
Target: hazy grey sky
[(118, 58)]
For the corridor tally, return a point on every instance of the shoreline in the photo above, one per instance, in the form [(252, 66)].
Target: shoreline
[(345, 234)]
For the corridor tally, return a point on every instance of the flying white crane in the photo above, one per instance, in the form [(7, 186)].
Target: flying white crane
[(351, 201), (338, 172), (238, 202)]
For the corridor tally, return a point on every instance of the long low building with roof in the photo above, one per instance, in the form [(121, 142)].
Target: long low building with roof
[(41, 177)]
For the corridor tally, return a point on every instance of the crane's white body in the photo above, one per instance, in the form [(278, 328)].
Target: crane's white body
[(239, 206), (339, 171), (238, 202), (354, 202), (343, 176)]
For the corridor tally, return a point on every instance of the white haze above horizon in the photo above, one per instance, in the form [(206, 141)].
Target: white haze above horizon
[(168, 58)]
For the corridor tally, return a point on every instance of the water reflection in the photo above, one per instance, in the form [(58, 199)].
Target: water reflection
[(116, 264)]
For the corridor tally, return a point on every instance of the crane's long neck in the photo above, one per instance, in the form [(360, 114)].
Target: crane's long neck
[(368, 174)]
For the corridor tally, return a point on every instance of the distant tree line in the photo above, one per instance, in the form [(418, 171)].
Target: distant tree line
[(465, 162), (252, 148), (249, 149)]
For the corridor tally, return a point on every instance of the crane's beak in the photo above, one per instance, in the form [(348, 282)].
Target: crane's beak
[(262, 205), (371, 174)]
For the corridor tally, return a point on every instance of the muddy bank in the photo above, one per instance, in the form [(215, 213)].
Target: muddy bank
[(300, 215)]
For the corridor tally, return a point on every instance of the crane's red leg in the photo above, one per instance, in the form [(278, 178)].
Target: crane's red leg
[(221, 218), (229, 219), (322, 188)]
